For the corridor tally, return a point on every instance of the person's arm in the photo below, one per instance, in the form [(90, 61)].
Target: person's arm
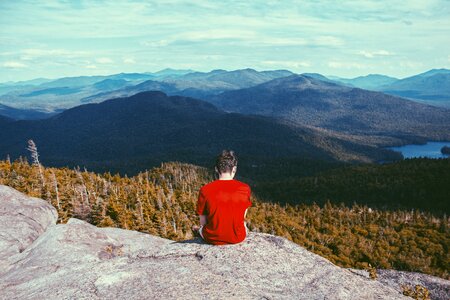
[(203, 220), (245, 223), (201, 208)]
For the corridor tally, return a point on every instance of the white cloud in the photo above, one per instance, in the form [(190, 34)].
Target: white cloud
[(245, 37), (372, 54), (158, 43), (30, 54), (7, 53), (129, 60), (327, 41), (14, 65), (216, 34), (66, 37), (294, 64), (202, 36), (280, 41), (104, 60)]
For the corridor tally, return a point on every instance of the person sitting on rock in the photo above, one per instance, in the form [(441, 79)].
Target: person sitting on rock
[(223, 203)]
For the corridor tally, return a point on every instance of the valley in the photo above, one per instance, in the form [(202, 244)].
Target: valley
[(284, 126), (128, 134)]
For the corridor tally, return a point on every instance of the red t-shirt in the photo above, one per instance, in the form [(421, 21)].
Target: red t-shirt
[(224, 203)]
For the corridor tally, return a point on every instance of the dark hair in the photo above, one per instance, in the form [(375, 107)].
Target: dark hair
[(226, 161)]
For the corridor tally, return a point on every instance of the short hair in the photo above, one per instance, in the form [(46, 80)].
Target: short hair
[(226, 161)]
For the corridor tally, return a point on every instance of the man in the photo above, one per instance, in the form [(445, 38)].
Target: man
[(222, 204)]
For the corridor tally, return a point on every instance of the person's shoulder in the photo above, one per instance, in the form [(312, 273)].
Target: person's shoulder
[(208, 186), (242, 184)]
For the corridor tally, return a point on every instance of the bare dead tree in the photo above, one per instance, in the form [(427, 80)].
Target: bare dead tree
[(35, 156), (174, 224), (141, 212), (55, 184)]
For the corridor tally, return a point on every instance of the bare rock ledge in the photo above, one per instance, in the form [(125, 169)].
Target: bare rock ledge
[(42, 260)]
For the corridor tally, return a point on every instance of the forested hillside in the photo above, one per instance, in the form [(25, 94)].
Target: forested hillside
[(303, 100), (418, 183), (128, 135), (162, 201)]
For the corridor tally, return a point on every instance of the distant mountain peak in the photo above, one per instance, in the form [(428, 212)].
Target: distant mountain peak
[(434, 72), (375, 76), (172, 72), (368, 82), (431, 87), (151, 94), (215, 71), (301, 82), (248, 70)]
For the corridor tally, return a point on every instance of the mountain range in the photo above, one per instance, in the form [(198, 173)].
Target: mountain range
[(133, 133), (197, 84), (68, 92), (23, 114), (283, 122), (65, 92), (368, 82), (217, 81), (431, 87), (264, 115), (306, 101), (45, 95)]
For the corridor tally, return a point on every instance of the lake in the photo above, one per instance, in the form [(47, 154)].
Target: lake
[(430, 150)]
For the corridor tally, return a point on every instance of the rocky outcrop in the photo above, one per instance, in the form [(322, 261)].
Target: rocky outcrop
[(22, 220), (78, 260), (438, 288)]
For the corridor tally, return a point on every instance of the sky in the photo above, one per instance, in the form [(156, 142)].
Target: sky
[(53, 39)]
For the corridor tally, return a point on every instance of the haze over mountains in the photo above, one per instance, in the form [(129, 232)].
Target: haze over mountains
[(45, 95), (72, 91), (63, 93), (431, 87), (368, 82), (23, 114)]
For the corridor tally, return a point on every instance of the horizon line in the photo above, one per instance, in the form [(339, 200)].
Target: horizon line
[(217, 69)]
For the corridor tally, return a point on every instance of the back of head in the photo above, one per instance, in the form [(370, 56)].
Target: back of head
[(226, 161)]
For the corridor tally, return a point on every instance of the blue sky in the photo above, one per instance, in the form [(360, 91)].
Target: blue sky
[(54, 39)]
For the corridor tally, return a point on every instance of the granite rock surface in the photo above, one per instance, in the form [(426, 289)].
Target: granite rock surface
[(22, 220), (77, 260)]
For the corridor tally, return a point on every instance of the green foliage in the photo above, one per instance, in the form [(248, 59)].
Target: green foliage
[(410, 184), (162, 202)]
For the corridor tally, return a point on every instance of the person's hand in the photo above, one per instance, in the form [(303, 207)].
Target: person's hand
[(196, 230)]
